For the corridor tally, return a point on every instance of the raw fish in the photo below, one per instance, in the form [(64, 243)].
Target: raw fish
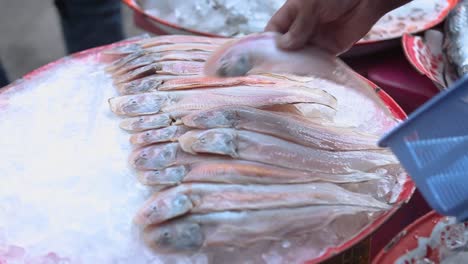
[(456, 39), (155, 102), (258, 53), (165, 155), (164, 68), (245, 172), (183, 47), (145, 84), (209, 82), (166, 134), (142, 123), (246, 145), (206, 198), (242, 228), (299, 130)]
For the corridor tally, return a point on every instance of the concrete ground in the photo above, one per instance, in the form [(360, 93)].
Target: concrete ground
[(30, 35)]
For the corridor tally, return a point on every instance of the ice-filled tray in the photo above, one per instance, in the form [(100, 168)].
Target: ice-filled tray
[(236, 18), (67, 192)]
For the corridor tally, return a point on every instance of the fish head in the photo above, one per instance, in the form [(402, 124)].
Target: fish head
[(230, 60), (174, 237), (154, 157), (214, 141), (210, 119), (142, 123), (136, 104), (163, 206), (169, 176), (154, 136), (139, 86)]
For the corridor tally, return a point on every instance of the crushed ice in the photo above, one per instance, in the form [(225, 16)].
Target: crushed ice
[(242, 17)]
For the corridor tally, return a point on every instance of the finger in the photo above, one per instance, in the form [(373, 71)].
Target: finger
[(300, 31), (282, 19)]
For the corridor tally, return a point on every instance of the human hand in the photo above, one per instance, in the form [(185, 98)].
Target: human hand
[(334, 25)]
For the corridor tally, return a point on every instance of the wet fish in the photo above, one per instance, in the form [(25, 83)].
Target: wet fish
[(146, 84), (246, 145), (135, 64), (246, 172), (124, 60), (456, 40), (143, 58), (162, 67), (295, 129), (166, 134), (258, 54), (210, 82), (206, 198), (183, 47), (242, 228), (155, 102), (175, 39), (122, 51), (142, 123), (161, 156)]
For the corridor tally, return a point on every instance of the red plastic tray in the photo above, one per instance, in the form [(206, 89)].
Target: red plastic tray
[(411, 244), (403, 198)]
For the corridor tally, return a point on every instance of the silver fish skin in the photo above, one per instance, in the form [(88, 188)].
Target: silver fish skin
[(456, 40)]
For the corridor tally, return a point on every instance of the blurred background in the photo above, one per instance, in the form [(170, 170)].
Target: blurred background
[(30, 34)]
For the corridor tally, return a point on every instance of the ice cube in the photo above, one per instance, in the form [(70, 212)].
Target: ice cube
[(455, 237)]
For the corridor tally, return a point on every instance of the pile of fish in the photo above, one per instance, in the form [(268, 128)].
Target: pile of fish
[(456, 42), (241, 159)]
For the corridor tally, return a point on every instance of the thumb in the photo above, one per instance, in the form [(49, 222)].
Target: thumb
[(300, 32)]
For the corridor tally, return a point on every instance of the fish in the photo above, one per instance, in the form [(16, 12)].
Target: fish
[(456, 41), (117, 64), (211, 82), (146, 84), (164, 68), (155, 102), (122, 51), (202, 198), (192, 47), (242, 229), (258, 54), (295, 129), (252, 146), (148, 122), (166, 134), (138, 73), (136, 63), (143, 58), (381, 188), (161, 156), (246, 172), (180, 68), (175, 39)]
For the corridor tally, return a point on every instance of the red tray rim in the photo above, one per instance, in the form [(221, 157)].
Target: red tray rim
[(404, 241)]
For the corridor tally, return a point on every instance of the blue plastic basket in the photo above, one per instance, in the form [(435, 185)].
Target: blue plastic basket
[(432, 145)]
